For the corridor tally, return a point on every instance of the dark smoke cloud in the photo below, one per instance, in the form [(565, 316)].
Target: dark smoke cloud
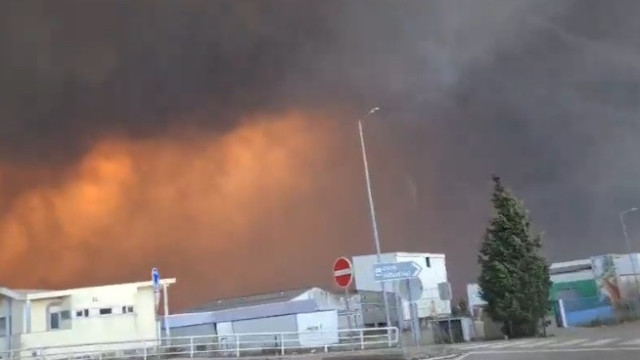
[(543, 92)]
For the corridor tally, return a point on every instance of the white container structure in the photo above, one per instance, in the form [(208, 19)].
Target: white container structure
[(433, 272)]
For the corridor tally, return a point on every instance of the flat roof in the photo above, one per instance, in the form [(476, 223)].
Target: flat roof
[(402, 253), (250, 300), (46, 294), (243, 313)]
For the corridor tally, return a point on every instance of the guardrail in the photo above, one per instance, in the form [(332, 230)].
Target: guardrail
[(220, 346)]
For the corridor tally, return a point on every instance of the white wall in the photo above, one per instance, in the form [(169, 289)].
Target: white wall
[(13, 313), (225, 335), (627, 264), (330, 301), (118, 326), (363, 271), (269, 327), (5, 316), (473, 295), (318, 328), (430, 276)]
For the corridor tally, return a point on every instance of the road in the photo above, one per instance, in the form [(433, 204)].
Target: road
[(560, 354), (630, 341), (613, 343)]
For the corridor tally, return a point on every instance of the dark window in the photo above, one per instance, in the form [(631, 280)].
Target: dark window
[(65, 315), (79, 313), (54, 321), (105, 311), (427, 261), (86, 312), (3, 326), (127, 309)]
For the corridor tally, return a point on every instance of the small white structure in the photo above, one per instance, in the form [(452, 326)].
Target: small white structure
[(41, 319), (434, 271), (316, 328), (301, 318), (475, 298)]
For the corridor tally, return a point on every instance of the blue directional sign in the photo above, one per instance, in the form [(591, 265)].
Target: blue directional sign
[(395, 271), (155, 277)]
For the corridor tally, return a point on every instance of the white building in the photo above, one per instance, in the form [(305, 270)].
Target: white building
[(433, 272), (62, 319), (307, 317)]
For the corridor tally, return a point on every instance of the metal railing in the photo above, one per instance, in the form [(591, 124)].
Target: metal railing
[(220, 346)]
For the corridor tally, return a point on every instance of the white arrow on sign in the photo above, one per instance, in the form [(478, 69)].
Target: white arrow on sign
[(396, 271)]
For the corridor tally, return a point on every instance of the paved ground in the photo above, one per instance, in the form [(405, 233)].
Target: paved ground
[(611, 343), (555, 343), (608, 354)]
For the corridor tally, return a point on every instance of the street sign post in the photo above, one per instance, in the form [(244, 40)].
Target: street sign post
[(155, 278), (396, 271), (343, 272), (343, 276), (407, 271)]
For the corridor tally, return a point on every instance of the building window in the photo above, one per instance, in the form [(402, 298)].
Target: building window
[(82, 313), (58, 318), (127, 309), (427, 260), (3, 326), (54, 321), (105, 311)]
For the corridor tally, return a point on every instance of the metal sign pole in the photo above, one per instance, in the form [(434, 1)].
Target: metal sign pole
[(412, 315), (346, 302)]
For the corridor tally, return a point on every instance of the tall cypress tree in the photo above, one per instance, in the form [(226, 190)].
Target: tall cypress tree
[(514, 277)]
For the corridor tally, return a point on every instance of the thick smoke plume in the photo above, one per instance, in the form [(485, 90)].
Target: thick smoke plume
[(161, 133), (208, 209)]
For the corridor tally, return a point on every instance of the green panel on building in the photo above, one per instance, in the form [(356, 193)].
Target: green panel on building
[(578, 288)]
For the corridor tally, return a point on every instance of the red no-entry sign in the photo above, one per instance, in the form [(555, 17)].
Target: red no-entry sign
[(343, 272)]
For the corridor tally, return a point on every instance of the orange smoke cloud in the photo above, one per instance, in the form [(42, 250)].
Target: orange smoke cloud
[(204, 208)]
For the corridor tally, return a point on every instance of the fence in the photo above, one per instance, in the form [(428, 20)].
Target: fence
[(592, 311), (221, 346)]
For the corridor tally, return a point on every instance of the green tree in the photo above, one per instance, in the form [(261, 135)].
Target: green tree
[(514, 277)]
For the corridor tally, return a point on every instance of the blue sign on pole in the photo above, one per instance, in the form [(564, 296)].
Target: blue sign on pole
[(395, 271), (155, 277)]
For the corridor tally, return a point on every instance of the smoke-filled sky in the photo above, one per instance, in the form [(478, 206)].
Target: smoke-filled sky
[(217, 139)]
